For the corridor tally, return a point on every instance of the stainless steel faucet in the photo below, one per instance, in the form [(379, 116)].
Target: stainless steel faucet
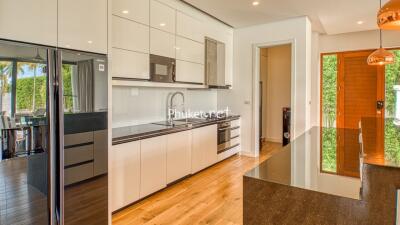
[(170, 107)]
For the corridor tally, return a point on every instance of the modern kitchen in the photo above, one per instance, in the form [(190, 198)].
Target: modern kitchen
[(199, 112)]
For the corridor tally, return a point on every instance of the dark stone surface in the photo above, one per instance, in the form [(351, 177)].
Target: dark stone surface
[(289, 188), (85, 122), (138, 132)]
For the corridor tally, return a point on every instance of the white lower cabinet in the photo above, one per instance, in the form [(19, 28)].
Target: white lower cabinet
[(204, 147), (125, 174), (153, 165), (179, 151)]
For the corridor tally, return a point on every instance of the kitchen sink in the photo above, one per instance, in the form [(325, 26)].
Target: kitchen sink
[(180, 122)]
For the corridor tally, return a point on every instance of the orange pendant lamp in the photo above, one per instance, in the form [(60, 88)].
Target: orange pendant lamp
[(381, 56), (389, 16)]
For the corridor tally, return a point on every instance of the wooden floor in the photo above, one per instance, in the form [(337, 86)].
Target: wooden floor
[(213, 196)]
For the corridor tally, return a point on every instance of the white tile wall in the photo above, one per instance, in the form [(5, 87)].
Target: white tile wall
[(138, 105)]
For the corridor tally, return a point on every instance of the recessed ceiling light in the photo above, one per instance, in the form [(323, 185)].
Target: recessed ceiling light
[(125, 12), (255, 3), (162, 24), (360, 22), (90, 42)]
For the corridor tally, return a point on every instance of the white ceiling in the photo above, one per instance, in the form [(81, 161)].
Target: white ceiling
[(327, 16)]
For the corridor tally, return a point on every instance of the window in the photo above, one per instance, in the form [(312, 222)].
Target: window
[(328, 112), (6, 68), (30, 89)]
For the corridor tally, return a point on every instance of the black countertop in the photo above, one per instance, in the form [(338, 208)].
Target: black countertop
[(133, 133), (299, 165)]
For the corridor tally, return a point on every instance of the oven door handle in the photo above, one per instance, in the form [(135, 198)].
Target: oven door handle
[(223, 129)]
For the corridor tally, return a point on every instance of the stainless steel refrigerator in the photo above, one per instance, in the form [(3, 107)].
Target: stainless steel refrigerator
[(54, 136)]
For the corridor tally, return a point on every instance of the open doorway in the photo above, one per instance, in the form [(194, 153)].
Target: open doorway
[(275, 95)]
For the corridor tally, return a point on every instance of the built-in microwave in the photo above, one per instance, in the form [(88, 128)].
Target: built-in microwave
[(162, 69)]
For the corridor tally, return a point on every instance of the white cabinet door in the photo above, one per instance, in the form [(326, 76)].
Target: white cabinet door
[(82, 25), (136, 10), (29, 21), (153, 165), (125, 174), (129, 35), (162, 43), (204, 147), (189, 27), (128, 64), (179, 151), (188, 50), (189, 72), (162, 17)]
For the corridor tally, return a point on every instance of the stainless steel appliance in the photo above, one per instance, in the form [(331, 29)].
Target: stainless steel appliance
[(225, 138), (286, 126), (162, 69), (48, 94), (215, 64)]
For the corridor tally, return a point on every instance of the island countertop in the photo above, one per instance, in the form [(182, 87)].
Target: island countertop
[(305, 184)]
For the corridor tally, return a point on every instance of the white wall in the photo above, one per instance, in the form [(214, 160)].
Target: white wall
[(241, 99), (277, 89), (134, 105)]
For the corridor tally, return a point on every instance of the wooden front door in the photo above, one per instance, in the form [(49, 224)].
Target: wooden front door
[(360, 89)]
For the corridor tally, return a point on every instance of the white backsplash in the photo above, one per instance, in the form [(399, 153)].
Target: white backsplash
[(138, 105)]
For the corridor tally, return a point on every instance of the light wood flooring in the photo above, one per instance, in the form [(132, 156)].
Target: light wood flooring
[(213, 196)]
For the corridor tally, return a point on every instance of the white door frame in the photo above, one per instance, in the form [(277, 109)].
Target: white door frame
[(256, 90)]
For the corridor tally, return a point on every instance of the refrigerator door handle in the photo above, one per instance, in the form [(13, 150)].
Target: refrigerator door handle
[(58, 84)]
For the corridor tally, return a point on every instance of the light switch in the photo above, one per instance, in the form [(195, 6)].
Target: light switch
[(247, 102)]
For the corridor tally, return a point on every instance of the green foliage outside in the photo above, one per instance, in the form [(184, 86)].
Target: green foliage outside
[(25, 91), (392, 132), (67, 85), (329, 100)]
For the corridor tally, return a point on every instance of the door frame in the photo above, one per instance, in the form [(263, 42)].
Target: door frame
[(255, 129)]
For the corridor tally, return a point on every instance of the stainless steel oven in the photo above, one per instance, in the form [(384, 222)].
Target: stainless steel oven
[(224, 136), (162, 69)]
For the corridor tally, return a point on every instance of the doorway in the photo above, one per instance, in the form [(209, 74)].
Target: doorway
[(275, 93), (350, 90)]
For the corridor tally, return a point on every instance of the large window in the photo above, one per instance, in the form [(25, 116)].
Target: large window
[(392, 141), (30, 89), (6, 68), (328, 106)]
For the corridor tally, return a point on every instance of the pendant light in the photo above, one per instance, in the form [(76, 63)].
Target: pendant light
[(389, 16), (381, 56)]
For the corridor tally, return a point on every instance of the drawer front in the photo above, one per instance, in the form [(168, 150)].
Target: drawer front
[(235, 132), (235, 141), (78, 173), (78, 154), (76, 139), (235, 123)]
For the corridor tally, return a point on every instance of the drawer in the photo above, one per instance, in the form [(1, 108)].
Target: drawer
[(235, 123), (78, 173), (228, 153), (235, 141), (76, 139), (235, 132), (78, 154)]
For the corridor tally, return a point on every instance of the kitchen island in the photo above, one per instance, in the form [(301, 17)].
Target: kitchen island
[(306, 184)]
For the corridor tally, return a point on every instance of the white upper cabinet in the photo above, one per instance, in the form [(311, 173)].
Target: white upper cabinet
[(189, 50), (136, 10), (189, 72), (129, 35), (189, 27), (162, 43), (162, 17), (128, 64), (29, 21), (82, 25)]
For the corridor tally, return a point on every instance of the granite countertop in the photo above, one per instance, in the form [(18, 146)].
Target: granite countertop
[(303, 183), (298, 165), (381, 142), (133, 133)]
